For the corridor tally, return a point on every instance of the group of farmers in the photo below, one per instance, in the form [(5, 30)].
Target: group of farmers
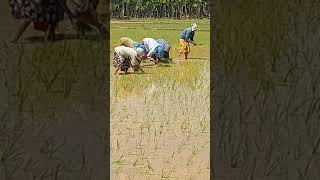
[(130, 53), (46, 15)]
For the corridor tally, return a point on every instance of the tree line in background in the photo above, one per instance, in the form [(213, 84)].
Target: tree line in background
[(160, 9)]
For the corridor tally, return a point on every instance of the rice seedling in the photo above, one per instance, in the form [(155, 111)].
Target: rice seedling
[(166, 107), (270, 72)]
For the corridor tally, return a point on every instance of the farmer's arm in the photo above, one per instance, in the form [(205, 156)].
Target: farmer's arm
[(137, 64), (117, 70), (22, 28), (190, 36), (192, 42), (133, 60), (151, 51), (139, 67)]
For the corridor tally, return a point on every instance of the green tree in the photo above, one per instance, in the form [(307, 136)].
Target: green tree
[(160, 8)]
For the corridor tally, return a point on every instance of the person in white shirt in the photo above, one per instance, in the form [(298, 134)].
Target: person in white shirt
[(154, 49), (125, 57), (166, 47)]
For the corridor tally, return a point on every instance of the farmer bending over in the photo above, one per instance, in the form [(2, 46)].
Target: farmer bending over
[(45, 15), (154, 49), (144, 53), (186, 37), (125, 57), (166, 47)]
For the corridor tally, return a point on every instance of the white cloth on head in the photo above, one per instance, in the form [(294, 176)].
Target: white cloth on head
[(139, 52), (125, 41), (194, 27)]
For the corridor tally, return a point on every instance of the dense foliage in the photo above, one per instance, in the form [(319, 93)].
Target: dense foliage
[(160, 8)]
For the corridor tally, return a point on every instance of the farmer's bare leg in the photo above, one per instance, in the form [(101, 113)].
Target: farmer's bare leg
[(139, 67), (117, 70), (154, 60), (185, 56), (21, 29), (82, 31), (51, 32), (143, 59), (57, 28), (80, 28)]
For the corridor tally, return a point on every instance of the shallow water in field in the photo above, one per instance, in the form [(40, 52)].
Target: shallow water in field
[(160, 119), (163, 130)]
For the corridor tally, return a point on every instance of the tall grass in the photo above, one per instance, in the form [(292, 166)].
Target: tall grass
[(265, 57)]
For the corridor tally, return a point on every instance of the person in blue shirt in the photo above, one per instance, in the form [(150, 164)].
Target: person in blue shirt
[(166, 47), (156, 54), (186, 37)]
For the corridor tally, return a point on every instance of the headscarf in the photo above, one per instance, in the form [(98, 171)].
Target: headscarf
[(138, 45), (139, 52), (125, 41), (194, 27)]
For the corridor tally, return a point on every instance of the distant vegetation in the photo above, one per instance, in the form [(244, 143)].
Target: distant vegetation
[(160, 9)]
